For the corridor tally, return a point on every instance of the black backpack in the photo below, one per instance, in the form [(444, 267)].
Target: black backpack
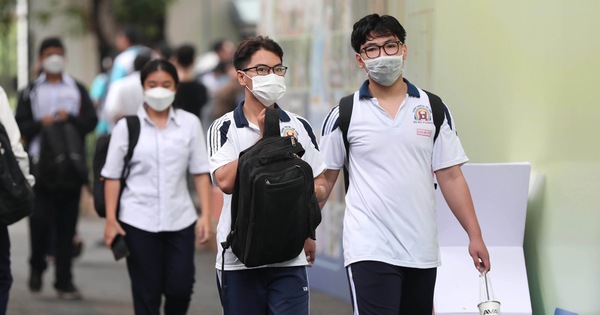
[(16, 196), (438, 109), (273, 208), (62, 166), (133, 128)]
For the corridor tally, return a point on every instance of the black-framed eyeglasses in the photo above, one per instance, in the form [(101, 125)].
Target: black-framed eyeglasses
[(264, 70), (374, 51)]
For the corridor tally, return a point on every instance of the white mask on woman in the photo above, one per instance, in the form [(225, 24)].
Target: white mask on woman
[(385, 70), (268, 89), (159, 98), (54, 64)]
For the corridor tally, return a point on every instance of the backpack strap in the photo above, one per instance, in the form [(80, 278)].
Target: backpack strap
[(438, 109), (271, 127), (345, 112), (439, 112), (133, 129)]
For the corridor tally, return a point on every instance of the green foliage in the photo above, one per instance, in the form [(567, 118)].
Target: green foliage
[(149, 15), (75, 11), (7, 11)]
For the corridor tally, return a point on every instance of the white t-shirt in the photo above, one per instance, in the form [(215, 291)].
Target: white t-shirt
[(390, 204), (124, 97), (230, 135), (156, 196)]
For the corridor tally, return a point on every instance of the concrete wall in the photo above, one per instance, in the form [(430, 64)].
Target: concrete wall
[(519, 77)]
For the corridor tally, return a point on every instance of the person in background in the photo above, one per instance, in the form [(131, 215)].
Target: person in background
[(53, 98), (12, 129), (98, 91), (126, 95), (128, 43), (391, 251), (191, 94), (156, 214), (280, 288)]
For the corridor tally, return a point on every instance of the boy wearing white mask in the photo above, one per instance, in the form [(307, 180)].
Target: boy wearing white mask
[(280, 288), (54, 98), (390, 232)]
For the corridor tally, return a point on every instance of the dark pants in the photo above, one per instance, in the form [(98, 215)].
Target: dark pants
[(161, 264), (54, 215), (265, 291), (382, 289), (5, 275)]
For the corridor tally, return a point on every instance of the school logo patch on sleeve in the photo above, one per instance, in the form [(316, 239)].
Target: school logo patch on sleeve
[(288, 131)]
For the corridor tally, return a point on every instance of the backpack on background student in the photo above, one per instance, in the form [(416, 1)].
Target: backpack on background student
[(16, 196), (273, 207), (61, 166), (133, 128)]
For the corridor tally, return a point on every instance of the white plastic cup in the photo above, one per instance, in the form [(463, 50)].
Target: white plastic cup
[(486, 292), (489, 308)]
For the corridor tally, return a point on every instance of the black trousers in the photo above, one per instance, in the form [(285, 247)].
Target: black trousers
[(161, 264), (54, 218), (5, 274), (378, 288)]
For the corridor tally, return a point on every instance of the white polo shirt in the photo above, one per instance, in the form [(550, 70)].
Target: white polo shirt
[(390, 204), (232, 134), (156, 196)]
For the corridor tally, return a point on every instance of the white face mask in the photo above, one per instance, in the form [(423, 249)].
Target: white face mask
[(268, 89), (159, 98), (385, 70), (54, 64)]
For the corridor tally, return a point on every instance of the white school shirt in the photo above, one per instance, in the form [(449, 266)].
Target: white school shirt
[(390, 212), (7, 119), (156, 196), (230, 135), (48, 98)]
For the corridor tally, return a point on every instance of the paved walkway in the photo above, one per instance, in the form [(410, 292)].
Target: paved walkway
[(105, 283)]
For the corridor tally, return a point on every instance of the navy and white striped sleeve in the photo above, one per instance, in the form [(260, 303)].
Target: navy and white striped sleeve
[(221, 150), (331, 144)]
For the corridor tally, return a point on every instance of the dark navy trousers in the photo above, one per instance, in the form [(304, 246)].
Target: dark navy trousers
[(264, 291), (161, 264), (54, 218)]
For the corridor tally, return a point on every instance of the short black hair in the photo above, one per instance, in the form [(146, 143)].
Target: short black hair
[(218, 44), (375, 25), (133, 34), (185, 55), (157, 65), (143, 57), (251, 45), (49, 42)]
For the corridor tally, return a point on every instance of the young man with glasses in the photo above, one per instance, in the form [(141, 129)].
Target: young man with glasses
[(280, 288), (390, 245)]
